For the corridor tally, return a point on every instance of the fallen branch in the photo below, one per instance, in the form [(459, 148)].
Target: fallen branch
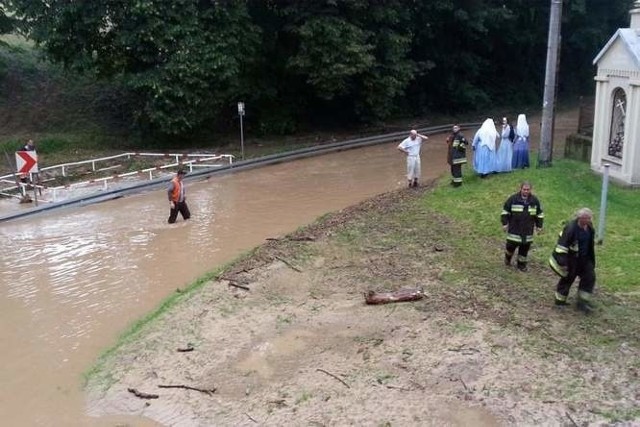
[(251, 418), (186, 387), (293, 267), (463, 383), (142, 395), (238, 285), (402, 295), (393, 387), (333, 376), (420, 386), (303, 239), (571, 419), (464, 349), (185, 349)]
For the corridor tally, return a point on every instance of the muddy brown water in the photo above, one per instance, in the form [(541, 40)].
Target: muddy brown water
[(73, 279)]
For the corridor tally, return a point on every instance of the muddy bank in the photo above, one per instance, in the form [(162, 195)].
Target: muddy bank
[(284, 337)]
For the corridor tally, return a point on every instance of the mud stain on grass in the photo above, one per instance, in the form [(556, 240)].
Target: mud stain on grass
[(300, 347)]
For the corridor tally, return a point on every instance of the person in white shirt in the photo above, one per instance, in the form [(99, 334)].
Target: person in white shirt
[(411, 147)]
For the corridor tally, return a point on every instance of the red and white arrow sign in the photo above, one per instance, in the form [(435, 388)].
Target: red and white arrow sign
[(26, 161)]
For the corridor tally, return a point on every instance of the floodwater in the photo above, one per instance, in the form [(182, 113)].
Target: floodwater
[(73, 279)]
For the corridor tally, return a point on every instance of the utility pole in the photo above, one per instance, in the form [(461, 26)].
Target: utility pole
[(545, 150)]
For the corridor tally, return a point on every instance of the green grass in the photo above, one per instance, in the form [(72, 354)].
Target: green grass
[(562, 189)]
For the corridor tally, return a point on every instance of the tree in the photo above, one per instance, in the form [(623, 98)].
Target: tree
[(185, 59)]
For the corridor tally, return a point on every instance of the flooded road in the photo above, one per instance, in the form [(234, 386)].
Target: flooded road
[(73, 279)]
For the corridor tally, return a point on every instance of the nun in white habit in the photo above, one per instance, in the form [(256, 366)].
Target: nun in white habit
[(484, 148), (520, 159)]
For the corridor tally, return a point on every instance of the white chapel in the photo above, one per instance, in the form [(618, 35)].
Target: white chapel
[(616, 125)]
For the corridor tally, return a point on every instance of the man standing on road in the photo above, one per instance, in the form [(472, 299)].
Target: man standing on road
[(573, 256), (411, 147), (177, 199), (457, 155), (520, 214)]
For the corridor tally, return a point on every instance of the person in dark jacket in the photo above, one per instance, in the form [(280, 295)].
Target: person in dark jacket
[(521, 213), (573, 256), (457, 155)]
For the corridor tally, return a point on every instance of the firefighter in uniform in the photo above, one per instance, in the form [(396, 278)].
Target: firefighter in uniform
[(573, 256), (456, 155), (520, 214)]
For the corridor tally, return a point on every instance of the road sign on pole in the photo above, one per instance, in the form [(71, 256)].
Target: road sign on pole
[(26, 162), (241, 114)]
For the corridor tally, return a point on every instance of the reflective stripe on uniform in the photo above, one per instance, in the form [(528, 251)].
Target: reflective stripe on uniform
[(584, 296), (560, 297), (517, 208), (556, 267), (460, 161), (514, 238), (561, 249)]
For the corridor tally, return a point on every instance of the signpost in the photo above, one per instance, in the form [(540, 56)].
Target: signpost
[(26, 162), (241, 114), (26, 165)]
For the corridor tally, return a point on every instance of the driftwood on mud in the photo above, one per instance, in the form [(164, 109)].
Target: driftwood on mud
[(333, 376), (186, 387), (238, 285), (401, 295), (291, 266), (185, 349), (142, 395)]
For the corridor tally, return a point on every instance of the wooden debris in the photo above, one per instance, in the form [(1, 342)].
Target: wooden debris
[(185, 349), (186, 387), (333, 376), (303, 239), (142, 395), (402, 295), (293, 267), (238, 285)]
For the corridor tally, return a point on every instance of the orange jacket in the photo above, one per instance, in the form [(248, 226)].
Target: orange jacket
[(174, 195)]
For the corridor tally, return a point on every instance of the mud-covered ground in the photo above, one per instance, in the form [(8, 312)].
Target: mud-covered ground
[(284, 337)]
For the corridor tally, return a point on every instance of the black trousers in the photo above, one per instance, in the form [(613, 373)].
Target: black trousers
[(179, 207), (523, 251), (456, 174), (583, 268)]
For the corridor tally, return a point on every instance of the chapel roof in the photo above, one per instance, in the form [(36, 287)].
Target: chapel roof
[(630, 38)]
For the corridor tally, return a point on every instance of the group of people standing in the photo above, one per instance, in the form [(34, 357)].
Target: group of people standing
[(522, 214), (501, 151)]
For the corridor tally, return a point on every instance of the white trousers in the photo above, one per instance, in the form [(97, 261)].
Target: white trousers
[(413, 167)]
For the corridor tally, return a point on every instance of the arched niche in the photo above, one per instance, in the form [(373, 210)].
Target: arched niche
[(617, 128)]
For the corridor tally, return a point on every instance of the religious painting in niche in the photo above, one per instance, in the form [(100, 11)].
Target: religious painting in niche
[(616, 138)]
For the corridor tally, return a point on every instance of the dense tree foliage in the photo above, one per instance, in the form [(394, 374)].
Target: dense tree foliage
[(6, 22), (189, 61)]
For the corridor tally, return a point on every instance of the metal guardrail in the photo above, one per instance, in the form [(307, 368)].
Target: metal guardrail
[(235, 167), (200, 161)]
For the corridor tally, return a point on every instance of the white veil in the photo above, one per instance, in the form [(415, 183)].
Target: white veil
[(522, 127), (488, 134)]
